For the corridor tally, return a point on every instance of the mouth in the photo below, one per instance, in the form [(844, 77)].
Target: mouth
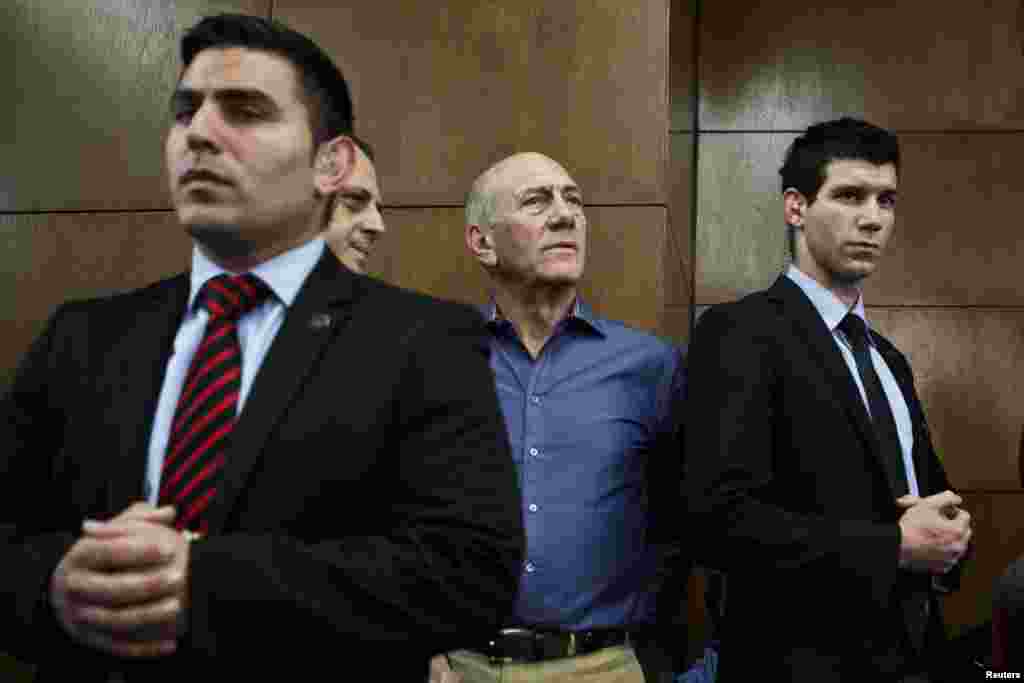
[(571, 246), (359, 250), (201, 176)]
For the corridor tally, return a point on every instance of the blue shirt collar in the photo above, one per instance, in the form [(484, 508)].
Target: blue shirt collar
[(828, 305), (284, 273), (580, 312)]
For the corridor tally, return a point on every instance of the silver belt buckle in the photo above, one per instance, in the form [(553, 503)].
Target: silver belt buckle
[(515, 631)]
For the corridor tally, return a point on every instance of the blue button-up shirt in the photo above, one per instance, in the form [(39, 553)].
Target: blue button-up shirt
[(583, 419)]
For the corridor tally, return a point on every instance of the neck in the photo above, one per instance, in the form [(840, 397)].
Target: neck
[(846, 291), (848, 294), (535, 312), (230, 251)]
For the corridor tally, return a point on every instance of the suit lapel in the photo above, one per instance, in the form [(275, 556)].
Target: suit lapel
[(319, 311), (812, 329), (139, 362)]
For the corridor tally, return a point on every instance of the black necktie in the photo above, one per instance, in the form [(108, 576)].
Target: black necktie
[(208, 403), (881, 412)]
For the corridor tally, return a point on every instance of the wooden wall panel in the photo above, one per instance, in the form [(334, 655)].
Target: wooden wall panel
[(679, 255), (681, 70), (425, 250), (741, 236), (48, 259), (998, 540), (919, 66), (442, 91), (969, 366), (90, 81), (957, 238)]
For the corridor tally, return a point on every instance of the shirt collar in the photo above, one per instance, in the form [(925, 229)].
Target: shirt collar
[(284, 273), (579, 311), (828, 305)]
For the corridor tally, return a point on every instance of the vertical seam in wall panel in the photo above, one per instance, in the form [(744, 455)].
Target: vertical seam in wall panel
[(694, 160), (666, 178), (270, 10)]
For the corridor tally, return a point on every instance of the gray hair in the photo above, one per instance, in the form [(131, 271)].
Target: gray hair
[(479, 204)]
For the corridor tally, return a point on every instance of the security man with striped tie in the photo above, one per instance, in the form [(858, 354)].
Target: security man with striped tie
[(269, 458)]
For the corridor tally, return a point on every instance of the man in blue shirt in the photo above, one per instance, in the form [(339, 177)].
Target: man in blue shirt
[(591, 407)]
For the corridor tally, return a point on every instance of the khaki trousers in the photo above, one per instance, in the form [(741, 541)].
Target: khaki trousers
[(609, 665)]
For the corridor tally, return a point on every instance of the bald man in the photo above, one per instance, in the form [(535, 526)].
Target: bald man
[(592, 411), (355, 221)]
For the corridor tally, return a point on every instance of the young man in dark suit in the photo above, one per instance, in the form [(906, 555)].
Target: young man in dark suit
[(811, 474), (268, 460)]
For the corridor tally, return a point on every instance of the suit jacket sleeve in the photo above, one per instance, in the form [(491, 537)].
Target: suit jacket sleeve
[(35, 532), (735, 434), (665, 470), (444, 573), (925, 455)]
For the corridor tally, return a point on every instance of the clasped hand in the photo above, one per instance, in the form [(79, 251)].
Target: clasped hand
[(122, 587), (935, 532)]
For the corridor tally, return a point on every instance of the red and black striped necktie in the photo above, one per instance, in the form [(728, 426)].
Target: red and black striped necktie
[(208, 403)]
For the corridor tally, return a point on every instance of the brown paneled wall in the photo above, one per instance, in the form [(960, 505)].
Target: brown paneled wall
[(671, 114), (440, 91)]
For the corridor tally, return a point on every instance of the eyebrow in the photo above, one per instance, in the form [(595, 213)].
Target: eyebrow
[(548, 190), (184, 95), (880, 189)]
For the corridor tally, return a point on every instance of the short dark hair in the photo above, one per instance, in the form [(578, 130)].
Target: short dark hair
[(847, 138), (325, 89)]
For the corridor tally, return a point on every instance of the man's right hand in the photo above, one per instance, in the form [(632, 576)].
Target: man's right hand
[(96, 566), (934, 532)]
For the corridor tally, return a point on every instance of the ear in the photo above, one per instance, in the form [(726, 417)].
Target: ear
[(480, 244), (794, 204), (333, 164)]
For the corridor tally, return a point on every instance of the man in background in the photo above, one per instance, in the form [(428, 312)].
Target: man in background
[(355, 213)]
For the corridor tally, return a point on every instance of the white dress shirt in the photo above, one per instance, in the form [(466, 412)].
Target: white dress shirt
[(284, 274), (832, 311)]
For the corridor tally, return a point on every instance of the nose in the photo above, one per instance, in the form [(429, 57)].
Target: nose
[(563, 214), (374, 222), (203, 129), (872, 215)]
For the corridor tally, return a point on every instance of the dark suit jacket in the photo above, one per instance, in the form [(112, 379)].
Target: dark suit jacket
[(369, 507), (793, 500)]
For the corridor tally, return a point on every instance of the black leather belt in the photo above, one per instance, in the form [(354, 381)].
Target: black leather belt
[(516, 645)]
